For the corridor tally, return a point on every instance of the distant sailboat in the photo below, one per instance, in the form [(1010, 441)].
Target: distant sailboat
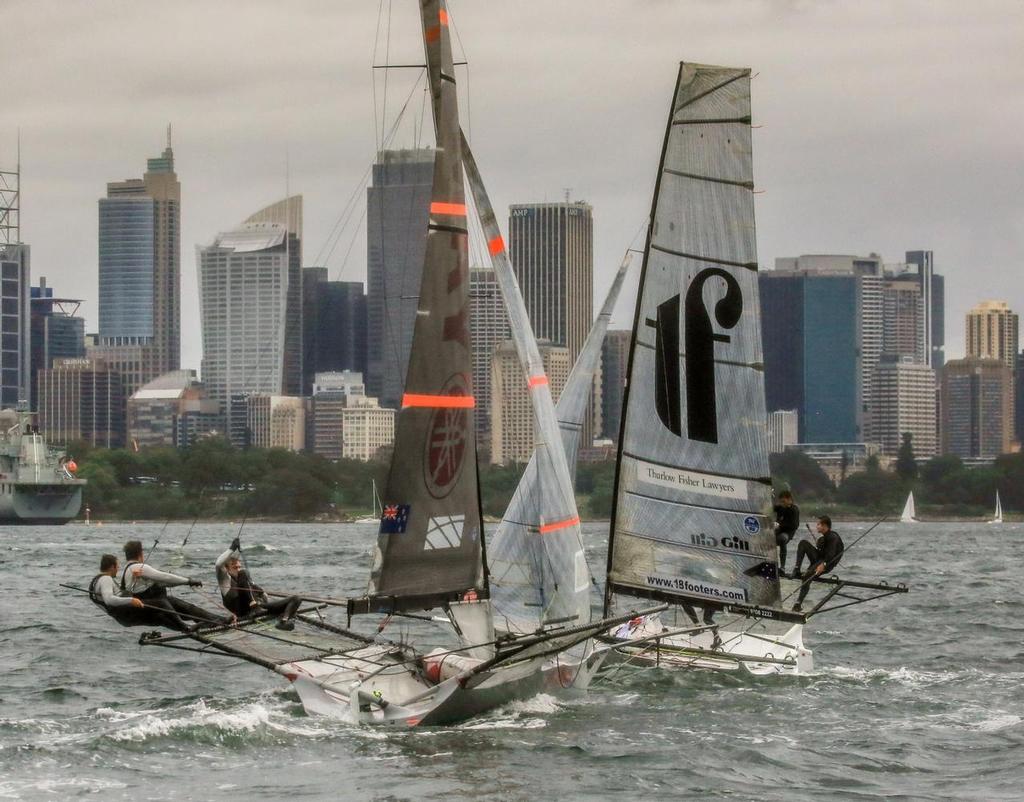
[(909, 514), (375, 505), (998, 517)]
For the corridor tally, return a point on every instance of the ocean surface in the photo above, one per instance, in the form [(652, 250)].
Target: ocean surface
[(919, 696)]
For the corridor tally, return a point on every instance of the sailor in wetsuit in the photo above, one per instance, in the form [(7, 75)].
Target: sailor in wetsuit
[(244, 597), (146, 583), (126, 610), (787, 521), (823, 556)]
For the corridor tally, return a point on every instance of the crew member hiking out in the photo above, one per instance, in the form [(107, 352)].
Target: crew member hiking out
[(146, 583), (823, 557), (787, 521), (126, 610), (243, 597)]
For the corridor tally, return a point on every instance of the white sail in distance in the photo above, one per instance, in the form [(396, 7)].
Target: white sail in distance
[(692, 483), (909, 514)]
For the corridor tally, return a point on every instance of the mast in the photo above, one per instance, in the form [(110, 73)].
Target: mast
[(692, 485), (430, 545)]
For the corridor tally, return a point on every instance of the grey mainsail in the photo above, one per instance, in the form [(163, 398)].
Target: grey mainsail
[(692, 480), (430, 546), (539, 572), (573, 402)]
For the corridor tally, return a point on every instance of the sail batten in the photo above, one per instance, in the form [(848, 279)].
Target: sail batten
[(692, 487)]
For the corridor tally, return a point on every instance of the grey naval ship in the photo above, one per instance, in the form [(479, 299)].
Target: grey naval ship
[(37, 483)]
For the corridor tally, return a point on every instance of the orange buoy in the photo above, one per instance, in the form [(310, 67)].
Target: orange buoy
[(72, 466)]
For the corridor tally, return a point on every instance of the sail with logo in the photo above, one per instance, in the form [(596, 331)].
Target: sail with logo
[(692, 482)]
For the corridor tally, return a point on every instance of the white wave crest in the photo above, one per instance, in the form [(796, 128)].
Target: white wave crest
[(518, 715)]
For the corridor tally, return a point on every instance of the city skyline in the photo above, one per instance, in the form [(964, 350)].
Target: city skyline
[(866, 145)]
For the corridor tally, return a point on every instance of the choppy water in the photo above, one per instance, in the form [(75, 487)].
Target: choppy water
[(917, 697)]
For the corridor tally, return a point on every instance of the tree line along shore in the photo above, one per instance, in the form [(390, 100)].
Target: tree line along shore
[(213, 481)]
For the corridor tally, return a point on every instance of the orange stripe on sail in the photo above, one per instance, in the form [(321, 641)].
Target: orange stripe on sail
[(438, 401), (432, 34), (537, 380), (456, 209), (442, 16), (554, 527), (496, 245)]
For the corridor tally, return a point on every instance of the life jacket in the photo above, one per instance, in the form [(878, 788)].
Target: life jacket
[(154, 590), (94, 595)]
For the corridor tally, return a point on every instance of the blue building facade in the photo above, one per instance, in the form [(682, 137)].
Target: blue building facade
[(811, 343), (127, 253)]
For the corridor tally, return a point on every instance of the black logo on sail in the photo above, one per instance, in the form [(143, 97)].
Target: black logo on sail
[(699, 341)]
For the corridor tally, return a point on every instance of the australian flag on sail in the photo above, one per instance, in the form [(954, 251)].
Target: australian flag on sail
[(766, 570), (394, 519)]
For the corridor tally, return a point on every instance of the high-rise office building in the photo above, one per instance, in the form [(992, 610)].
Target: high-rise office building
[(993, 332), (57, 331), (933, 305), (614, 364), (250, 299), (346, 423), (277, 421), (333, 326), (397, 209), (512, 435), (172, 411), (81, 399), (1018, 398), (140, 272), (976, 408), (783, 430), (904, 402), (15, 278), (551, 247), (903, 317), (488, 327), (15, 337), (822, 331)]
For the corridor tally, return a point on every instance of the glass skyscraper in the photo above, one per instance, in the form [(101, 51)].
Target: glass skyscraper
[(140, 273)]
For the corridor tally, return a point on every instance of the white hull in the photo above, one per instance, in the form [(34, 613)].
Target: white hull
[(378, 686), (740, 649)]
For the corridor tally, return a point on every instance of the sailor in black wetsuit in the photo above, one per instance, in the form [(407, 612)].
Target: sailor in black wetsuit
[(787, 521), (823, 556), (244, 597), (146, 583)]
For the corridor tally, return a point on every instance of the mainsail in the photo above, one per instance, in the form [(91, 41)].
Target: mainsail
[(430, 546), (998, 517), (539, 573), (692, 479)]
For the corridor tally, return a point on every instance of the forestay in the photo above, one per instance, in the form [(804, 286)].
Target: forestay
[(539, 573), (430, 547), (692, 485)]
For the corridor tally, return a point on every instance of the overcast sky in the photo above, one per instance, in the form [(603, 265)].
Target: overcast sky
[(884, 127)]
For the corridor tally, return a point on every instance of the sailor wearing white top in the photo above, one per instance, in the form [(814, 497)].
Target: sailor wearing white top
[(149, 585)]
